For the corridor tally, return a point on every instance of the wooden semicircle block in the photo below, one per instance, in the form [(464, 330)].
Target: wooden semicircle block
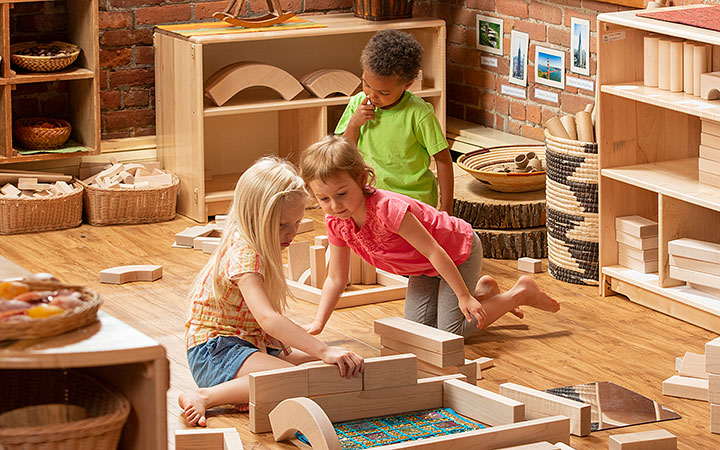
[(304, 415), (233, 78), (324, 82)]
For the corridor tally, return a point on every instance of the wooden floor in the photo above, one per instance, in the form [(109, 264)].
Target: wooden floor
[(590, 339)]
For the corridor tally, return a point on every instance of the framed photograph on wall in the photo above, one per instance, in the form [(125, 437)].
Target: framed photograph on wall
[(518, 57), (550, 67), (489, 34), (580, 46)]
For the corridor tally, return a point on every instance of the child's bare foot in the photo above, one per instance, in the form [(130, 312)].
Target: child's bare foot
[(194, 405), (242, 407), (531, 295), (487, 287)]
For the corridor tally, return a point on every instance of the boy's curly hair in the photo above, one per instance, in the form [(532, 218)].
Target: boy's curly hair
[(393, 53)]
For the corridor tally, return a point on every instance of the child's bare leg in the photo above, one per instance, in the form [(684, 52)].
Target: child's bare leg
[(235, 391), (525, 292), (487, 287), (298, 357)]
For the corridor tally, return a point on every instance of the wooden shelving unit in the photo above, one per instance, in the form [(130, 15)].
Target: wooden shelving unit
[(209, 146), (648, 155), (82, 77)]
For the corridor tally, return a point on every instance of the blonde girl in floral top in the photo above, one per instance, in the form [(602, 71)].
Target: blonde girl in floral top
[(236, 324)]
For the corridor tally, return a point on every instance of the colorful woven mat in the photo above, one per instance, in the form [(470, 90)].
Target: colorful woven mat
[(219, 27), (69, 147), (377, 431), (702, 16)]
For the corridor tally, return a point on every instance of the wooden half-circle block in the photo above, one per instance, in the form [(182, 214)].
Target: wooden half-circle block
[(324, 82), (233, 78), (126, 274), (710, 86), (303, 415)]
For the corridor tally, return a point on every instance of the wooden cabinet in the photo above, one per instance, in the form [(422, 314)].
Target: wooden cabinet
[(648, 155), (81, 80), (209, 146)]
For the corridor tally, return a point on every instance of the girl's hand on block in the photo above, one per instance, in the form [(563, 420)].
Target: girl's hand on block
[(350, 363), (313, 328), (473, 309)]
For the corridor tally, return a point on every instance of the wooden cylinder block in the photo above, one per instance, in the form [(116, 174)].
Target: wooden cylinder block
[(688, 77), (676, 66), (664, 63), (585, 131), (650, 63), (569, 124), (699, 66), (556, 128)]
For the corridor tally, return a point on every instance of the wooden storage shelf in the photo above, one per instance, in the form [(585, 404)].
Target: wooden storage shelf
[(209, 146), (648, 158), (76, 73)]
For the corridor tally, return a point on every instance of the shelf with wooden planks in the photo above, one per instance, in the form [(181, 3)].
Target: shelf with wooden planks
[(649, 143)]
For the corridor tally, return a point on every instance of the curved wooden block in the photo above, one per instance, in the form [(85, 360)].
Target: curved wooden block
[(709, 86), (303, 415), (255, 22), (233, 78), (324, 82), (126, 274)]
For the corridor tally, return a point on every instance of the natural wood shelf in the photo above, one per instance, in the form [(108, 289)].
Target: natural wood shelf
[(44, 156), (61, 75), (676, 178), (675, 101)]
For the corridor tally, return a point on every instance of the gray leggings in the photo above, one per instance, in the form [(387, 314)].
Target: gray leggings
[(431, 301)]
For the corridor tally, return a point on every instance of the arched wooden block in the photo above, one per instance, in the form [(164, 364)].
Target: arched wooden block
[(126, 274), (303, 415), (710, 86), (233, 78), (324, 82)]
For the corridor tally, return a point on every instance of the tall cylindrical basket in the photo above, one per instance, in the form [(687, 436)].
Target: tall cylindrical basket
[(572, 209)]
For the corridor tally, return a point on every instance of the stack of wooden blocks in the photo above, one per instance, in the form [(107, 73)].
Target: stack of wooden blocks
[(28, 184), (130, 176), (637, 239), (709, 161), (697, 263), (712, 367)]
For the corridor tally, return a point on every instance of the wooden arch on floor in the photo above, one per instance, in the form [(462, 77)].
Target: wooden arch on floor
[(233, 78), (275, 15), (323, 82), (304, 415)]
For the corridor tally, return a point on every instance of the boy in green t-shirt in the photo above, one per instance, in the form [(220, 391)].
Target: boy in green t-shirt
[(396, 131)]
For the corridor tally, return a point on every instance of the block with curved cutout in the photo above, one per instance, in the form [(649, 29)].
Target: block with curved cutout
[(710, 86), (303, 415), (323, 82), (233, 78)]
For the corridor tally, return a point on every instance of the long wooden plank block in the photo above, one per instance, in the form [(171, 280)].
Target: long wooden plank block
[(276, 385), (436, 359), (691, 276), (695, 249), (326, 379), (695, 264), (390, 371), (482, 405), (637, 226), (686, 387), (712, 356), (471, 368), (543, 404), (419, 335), (644, 440)]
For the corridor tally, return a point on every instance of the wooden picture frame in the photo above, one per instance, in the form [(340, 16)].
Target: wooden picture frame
[(580, 46), (519, 44), (550, 67), (489, 34)]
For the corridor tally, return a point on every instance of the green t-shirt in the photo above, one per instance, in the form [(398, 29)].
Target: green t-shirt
[(398, 143)]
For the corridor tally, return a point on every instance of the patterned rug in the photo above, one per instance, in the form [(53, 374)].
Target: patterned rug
[(219, 27), (702, 16), (385, 430)]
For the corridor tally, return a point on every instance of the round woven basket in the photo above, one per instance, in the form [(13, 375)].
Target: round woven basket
[(57, 324), (30, 215), (572, 209), (481, 163), (41, 133), (20, 55), (99, 411)]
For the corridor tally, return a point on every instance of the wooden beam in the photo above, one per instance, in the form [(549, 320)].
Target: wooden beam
[(481, 405), (430, 357), (276, 385), (686, 387), (644, 440)]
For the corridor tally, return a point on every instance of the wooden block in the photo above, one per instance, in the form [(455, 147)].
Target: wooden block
[(126, 274), (714, 388), (531, 265), (222, 85), (304, 416), (355, 269), (637, 226), (326, 379), (436, 359), (678, 363), (210, 246), (692, 276), (535, 446), (324, 82), (417, 83), (644, 440), (200, 439), (482, 405), (695, 249), (640, 266), (563, 446), (712, 356), (276, 385), (305, 225), (638, 254), (709, 166), (390, 371), (110, 171), (10, 190), (709, 178), (298, 258), (636, 242), (709, 140), (686, 387), (710, 86), (199, 241), (231, 440), (27, 183), (12, 176), (485, 363), (693, 365), (317, 266), (164, 179), (469, 369), (419, 335), (710, 127), (715, 419), (710, 153), (695, 264), (322, 240), (369, 275), (543, 404), (188, 235), (64, 187)]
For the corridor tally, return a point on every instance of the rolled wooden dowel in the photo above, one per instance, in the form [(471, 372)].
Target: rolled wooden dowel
[(650, 63), (676, 66), (585, 132), (699, 66), (556, 128), (664, 63), (688, 77), (569, 124)]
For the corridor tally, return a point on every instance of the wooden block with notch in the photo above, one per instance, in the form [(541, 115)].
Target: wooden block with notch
[(644, 440), (416, 334), (542, 404), (710, 86), (637, 226), (531, 265), (686, 387)]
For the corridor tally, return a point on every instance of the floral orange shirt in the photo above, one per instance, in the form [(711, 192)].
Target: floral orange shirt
[(207, 321)]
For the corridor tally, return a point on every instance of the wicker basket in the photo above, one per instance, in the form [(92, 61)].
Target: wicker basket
[(29, 215), (59, 323), (43, 63), (101, 409), (41, 133), (572, 209), (112, 206)]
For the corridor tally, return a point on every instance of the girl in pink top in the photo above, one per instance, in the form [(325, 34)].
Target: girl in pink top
[(440, 253)]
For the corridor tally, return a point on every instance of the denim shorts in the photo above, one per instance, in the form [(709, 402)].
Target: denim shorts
[(218, 360)]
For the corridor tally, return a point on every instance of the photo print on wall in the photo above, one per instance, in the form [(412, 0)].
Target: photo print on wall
[(518, 57), (580, 46), (550, 67), (489, 34)]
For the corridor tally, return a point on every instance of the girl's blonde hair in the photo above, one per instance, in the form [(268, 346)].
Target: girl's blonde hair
[(254, 217), (333, 156)]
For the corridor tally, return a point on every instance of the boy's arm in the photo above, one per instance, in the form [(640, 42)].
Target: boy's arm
[(333, 287), (446, 180), (364, 112)]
